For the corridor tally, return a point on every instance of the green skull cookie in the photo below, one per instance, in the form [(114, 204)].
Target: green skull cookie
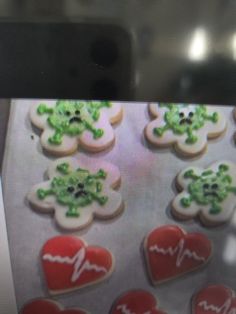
[(78, 191), (187, 127), (209, 194), (67, 123)]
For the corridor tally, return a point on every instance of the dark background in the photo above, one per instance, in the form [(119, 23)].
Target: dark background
[(144, 50)]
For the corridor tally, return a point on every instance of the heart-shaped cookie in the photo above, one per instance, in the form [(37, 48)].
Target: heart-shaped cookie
[(70, 264), (45, 306), (171, 252), (216, 299), (136, 302)]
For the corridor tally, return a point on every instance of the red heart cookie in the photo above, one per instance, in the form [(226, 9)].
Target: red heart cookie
[(136, 302), (171, 252), (45, 306), (215, 300), (70, 264)]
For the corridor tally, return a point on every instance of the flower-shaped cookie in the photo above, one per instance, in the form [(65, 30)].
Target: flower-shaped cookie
[(208, 193), (187, 127), (67, 124), (77, 191)]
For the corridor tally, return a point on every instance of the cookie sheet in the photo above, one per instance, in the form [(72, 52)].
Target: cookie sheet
[(147, 189)]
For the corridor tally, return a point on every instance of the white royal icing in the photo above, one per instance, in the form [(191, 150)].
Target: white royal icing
[(179, 250), (79, 262), (224, 309), (124, 309), (109, 210), (227, 205), (169, 138)]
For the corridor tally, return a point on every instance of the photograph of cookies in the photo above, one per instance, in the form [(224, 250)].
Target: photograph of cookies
[(67, 124), (72, 242), (209, 194), (214, 299), (78, 190), (136, 302), (171, 252), (186, 127), (70, 264), (47, 306)]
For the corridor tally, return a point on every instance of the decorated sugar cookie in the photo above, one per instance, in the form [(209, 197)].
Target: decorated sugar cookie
[(208, 193), (70, 264), (78, 190), (67, 124), (187, 127), (171, 252), (136, 302), (216, 299), (46, 306)]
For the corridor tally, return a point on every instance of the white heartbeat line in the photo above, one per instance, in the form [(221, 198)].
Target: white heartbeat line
[(124, 309), (79, 262), (225, 307), (179, 250)]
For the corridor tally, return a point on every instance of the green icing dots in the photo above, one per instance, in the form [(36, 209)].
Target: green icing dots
[(42, 108), (43, 193), (209, 188), (186, 202), (181, 121), (63, 168), (73, 118), (75, 189), (223, 167)]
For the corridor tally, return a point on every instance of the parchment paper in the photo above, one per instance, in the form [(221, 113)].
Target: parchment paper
[(147, 189)]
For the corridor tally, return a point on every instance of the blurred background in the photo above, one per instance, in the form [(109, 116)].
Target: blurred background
[(166, 50)]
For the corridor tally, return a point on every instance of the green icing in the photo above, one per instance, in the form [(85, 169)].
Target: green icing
[(181, 122), (73, 118), (64, 168), (209, 188), (75, 188), (186, 202), (42, 108)]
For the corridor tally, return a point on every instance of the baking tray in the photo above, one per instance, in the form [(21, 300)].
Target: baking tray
[(147, 189)]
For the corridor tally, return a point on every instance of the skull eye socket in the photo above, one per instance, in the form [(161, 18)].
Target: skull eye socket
[(70, 189), (77, 112), (205, 186), (214, 186), (67, 113), (190, 114), (181, 114)]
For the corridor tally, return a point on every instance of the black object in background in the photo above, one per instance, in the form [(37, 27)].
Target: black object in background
[(145, 50), (65, 60)]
